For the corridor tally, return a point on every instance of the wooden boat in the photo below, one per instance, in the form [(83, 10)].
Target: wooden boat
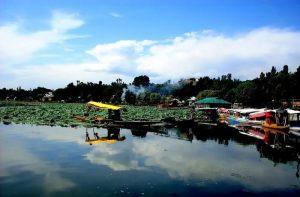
[(101, 140), (275, 126), (294, 119), (234, 121), (276, 120)]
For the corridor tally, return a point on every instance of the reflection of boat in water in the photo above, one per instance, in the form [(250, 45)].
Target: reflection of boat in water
[(254, 132), (272, 144), (100, 140), (274, 138), (113, 135), (295, 131), (276, 155), (139, 132)]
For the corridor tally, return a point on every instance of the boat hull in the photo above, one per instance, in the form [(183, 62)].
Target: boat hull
[(275, 126)]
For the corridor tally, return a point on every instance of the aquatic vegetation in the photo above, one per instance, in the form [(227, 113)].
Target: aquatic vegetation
[(63, 114)]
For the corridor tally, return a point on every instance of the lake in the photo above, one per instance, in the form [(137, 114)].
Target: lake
[(57, 161)]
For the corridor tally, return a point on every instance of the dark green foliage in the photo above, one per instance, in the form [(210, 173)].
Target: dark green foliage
[(81, 92), (269, 87), (208, 93), (154, 98), (245, 93), (266, 90), (130, 97), (142, 80)]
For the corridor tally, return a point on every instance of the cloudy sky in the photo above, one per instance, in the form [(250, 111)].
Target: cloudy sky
[(52, 43)]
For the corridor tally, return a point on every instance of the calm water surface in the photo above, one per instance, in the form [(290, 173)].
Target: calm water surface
[(55, 161)]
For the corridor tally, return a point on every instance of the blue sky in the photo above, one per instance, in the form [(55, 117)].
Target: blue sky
[(52, 43)]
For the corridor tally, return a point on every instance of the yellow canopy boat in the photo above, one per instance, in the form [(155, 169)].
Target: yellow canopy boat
[(103, 105)]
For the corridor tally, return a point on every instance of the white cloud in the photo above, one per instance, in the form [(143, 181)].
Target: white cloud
[(62, 22), (244, 55), (116, 15), (19, 157), (113, 157), (56, 75), (206, 53), (16, 46), (121, 56)]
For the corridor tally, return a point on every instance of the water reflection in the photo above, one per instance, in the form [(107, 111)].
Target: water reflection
[(17, 158), (113, 135), (252, 159)]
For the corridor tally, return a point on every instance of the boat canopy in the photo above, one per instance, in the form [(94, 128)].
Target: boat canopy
[(257, 115), (103, 105), (291, 111), (213, 100)]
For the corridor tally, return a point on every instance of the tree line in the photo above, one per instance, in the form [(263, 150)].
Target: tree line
[(268, 88)]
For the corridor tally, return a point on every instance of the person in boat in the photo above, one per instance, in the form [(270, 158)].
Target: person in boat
[(114, 114), (193, 111), (87, 137), (114, 133), (280, 117), (96, 135)]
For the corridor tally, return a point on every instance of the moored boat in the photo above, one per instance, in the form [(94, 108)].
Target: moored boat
[(294, 120), (274, 126), (276, 120)]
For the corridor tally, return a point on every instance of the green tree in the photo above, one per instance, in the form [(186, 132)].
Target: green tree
[(155, 98), (246, 93), (208, 93), (130, 97), (142, 80)]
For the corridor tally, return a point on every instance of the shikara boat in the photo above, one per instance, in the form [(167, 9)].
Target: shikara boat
[(275, 126), (276, 120)]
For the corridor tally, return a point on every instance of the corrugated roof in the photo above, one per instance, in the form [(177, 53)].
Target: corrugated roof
[(212, 100)]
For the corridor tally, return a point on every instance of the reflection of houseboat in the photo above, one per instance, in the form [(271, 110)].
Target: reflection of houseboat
[(273, 137), (276, 138), (254, 132), (276, 155), (276, 120)]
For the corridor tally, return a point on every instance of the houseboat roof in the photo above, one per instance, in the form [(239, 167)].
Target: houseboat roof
[(212, 100)]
